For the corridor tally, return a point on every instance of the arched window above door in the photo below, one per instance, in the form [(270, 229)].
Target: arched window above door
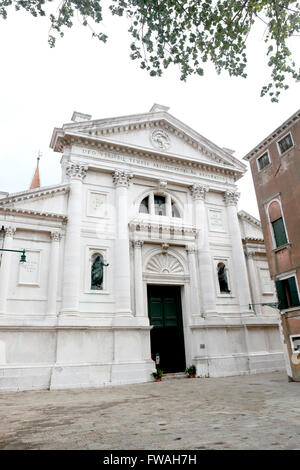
[(159, 204)]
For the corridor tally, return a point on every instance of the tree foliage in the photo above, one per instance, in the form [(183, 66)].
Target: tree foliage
[(188, 33)]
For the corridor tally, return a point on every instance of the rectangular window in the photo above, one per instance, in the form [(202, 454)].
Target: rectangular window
[(285, 143), (287, 293), (279, 232), (263, 161)]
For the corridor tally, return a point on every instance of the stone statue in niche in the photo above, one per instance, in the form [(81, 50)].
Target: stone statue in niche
[(97, 273), (223, 281)]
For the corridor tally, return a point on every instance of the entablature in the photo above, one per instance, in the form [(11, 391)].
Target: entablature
[(91, 147)]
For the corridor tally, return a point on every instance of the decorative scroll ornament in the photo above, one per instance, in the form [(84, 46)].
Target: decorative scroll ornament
[(10, 231), (122, 178), (56, 236), (199, 191), (160, 139), (164, 264), (231, 198), (76, 171)]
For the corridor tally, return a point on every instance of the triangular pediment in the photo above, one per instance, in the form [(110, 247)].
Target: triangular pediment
[(155, 132), (250, 226), (48, 200)]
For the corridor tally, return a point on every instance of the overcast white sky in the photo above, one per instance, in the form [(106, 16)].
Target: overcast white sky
[(41, 87)]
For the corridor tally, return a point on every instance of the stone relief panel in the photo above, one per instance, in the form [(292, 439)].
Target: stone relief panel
[(29, 272), (97, 204), (164, 263)]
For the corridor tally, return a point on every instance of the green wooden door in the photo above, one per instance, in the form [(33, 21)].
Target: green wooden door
[(164, 307)]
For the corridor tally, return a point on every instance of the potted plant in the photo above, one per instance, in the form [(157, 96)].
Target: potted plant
[(158, 375), (191, 371)]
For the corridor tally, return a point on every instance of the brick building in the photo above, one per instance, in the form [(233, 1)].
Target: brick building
[(275, 167)]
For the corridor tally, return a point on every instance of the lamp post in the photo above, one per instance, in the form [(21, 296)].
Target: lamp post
[(23, 256)]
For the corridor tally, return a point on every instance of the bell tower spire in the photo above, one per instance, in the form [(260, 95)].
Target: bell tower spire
[(35, 182)]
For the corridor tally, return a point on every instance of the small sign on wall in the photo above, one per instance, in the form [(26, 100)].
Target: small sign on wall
[(29, 272)]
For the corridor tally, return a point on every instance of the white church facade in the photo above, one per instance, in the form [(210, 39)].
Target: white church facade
[(139, 251)]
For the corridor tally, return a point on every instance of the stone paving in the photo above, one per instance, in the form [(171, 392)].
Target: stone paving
[(246, 412)]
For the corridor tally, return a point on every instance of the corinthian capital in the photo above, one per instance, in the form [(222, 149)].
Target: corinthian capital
[(137, 243), (76, 171), (56, 236), (122, 178), (10, 231), (231, 198), (199, 191)]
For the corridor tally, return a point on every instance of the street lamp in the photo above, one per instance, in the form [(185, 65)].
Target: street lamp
[(268, 304), (23, 256)]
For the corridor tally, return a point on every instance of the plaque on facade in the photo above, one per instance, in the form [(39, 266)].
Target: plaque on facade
[(96, 205), (215, 220), (266, 281), (29, 272)]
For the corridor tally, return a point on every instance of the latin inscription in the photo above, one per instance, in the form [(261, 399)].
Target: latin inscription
[(147, 163)]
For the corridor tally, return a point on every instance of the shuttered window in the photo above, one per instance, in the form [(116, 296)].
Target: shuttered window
[(285, 143), (279, 232), (263, 161), (287, 293)]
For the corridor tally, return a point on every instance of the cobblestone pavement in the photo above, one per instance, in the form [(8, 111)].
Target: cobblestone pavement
[(249, 412)]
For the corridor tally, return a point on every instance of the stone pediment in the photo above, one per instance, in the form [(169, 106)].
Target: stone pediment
[(156, 132), (43, 201), (250, 226)]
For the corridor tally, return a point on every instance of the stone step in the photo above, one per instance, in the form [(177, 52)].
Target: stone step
[(175, 375)]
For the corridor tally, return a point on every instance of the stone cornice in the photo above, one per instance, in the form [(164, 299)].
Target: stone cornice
[(101, 129), (255, 240), (249, 218), (33, 193), (32, 213), (273, 136)]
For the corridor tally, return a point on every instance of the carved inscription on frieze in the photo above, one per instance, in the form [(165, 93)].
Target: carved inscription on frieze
[(148, 162)]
